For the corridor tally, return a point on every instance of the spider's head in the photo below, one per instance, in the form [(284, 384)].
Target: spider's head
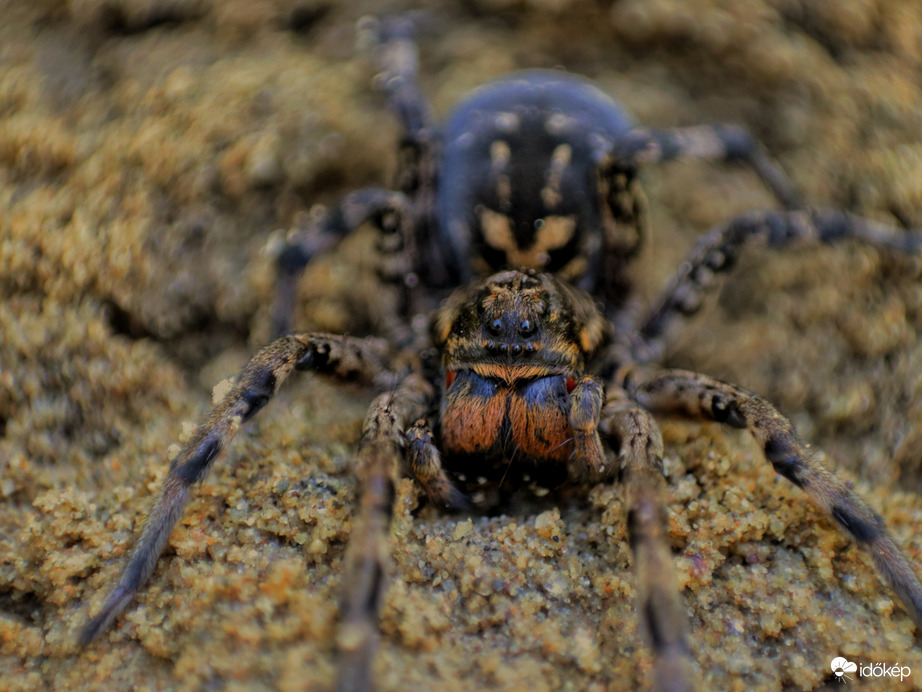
[(511, 310), (518, 325)]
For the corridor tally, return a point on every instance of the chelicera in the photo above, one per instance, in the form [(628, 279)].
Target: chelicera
[(526, 208)]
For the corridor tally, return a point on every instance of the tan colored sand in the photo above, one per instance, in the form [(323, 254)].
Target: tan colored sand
[(144, 170)]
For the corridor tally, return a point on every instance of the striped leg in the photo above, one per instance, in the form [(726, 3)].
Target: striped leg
[(380, 460), (641, 146), (424, 463), (640, 458), (398, 61), (388, 210), (716, 253), (408, 247), (343, 357), (704, 397)]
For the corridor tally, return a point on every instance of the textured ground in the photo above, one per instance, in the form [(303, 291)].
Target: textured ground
[(148, 150)]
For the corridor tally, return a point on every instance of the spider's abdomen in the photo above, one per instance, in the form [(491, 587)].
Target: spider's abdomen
[(522, 178), (494, 419)]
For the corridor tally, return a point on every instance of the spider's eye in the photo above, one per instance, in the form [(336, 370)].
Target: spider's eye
[(526, 328), (495, 327)]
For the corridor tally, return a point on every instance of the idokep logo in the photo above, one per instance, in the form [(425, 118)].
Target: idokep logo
[(841, 667)]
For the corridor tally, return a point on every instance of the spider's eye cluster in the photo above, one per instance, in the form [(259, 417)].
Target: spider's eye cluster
[(498, 327), (509, 326)]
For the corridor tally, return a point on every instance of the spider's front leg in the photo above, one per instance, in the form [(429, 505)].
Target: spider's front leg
[(363, 360), (424, 463), (380, 461), (703, 397), (716, 253), (639, 446)]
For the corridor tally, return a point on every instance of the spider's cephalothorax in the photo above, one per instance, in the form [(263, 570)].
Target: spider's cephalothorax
[(527, 365), (517, 326)]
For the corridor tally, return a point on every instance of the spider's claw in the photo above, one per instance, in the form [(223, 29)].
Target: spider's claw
[(117, 600), (90, 631), (457, 500)]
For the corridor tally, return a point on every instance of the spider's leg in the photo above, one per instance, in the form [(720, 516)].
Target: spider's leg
[(700, 396), (406, 217), (419, 153), (717, 251), (380, 460), (398, 63), (639, 444), (624, 230), (641, 146), (343, 357), (388, 210), (424, 463), (588, 463)]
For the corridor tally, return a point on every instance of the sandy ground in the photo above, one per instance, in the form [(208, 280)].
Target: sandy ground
[(149, 153)]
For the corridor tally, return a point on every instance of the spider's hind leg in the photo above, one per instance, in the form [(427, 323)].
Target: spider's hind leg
[(397, 58), (704, 397), (625, 211), (640, 146), (380, 461), (389, 211), (405, 217), (419, 153)]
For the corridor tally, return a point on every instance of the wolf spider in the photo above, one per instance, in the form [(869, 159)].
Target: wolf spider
[(536, 173)]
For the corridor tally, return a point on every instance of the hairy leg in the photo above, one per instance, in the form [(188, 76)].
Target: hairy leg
[(588, 463), (717, 252), (641, 146), (409, 250), (639, 445), (424, 463), (351, 359), (704, 397), (397, 57), (389, 211), (380, 461)]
